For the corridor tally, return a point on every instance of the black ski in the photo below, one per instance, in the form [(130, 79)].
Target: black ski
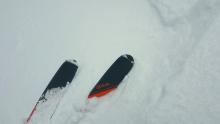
[(113, 76), (60, 80)]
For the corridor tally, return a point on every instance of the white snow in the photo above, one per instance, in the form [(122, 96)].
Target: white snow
[(175, 45), (46, 108)]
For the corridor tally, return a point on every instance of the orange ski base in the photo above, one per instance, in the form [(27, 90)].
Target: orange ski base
[(102, 93), (32, 112)]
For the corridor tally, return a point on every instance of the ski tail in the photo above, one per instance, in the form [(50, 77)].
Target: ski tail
[(113, 76), (62, 77)]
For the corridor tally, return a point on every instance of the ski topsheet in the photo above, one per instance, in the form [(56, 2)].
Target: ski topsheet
[(113, 76), (54, 91)]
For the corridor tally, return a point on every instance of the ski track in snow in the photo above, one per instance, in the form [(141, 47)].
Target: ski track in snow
[(175, 45)]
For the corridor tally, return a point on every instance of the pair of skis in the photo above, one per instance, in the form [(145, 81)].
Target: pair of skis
[(65, 74)]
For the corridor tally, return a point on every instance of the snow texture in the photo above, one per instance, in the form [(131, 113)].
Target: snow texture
[(175, 44), (47, 107)]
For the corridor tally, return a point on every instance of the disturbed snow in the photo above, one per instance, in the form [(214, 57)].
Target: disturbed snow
[(175, 45)]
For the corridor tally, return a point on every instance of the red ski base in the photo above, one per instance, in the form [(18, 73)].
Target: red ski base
[(102, 93), (31, 114)]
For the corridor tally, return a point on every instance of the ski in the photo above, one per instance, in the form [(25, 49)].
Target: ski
[(55, 89), (107, 83), (113, 76)]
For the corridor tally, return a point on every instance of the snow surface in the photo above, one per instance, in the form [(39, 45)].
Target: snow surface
[(175, 44), (47, 107)]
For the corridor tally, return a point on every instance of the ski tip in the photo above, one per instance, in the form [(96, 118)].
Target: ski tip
[(73, 61), (129, 57)]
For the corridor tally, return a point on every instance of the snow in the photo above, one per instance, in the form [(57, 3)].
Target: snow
[(47, 107), (175, 45)]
